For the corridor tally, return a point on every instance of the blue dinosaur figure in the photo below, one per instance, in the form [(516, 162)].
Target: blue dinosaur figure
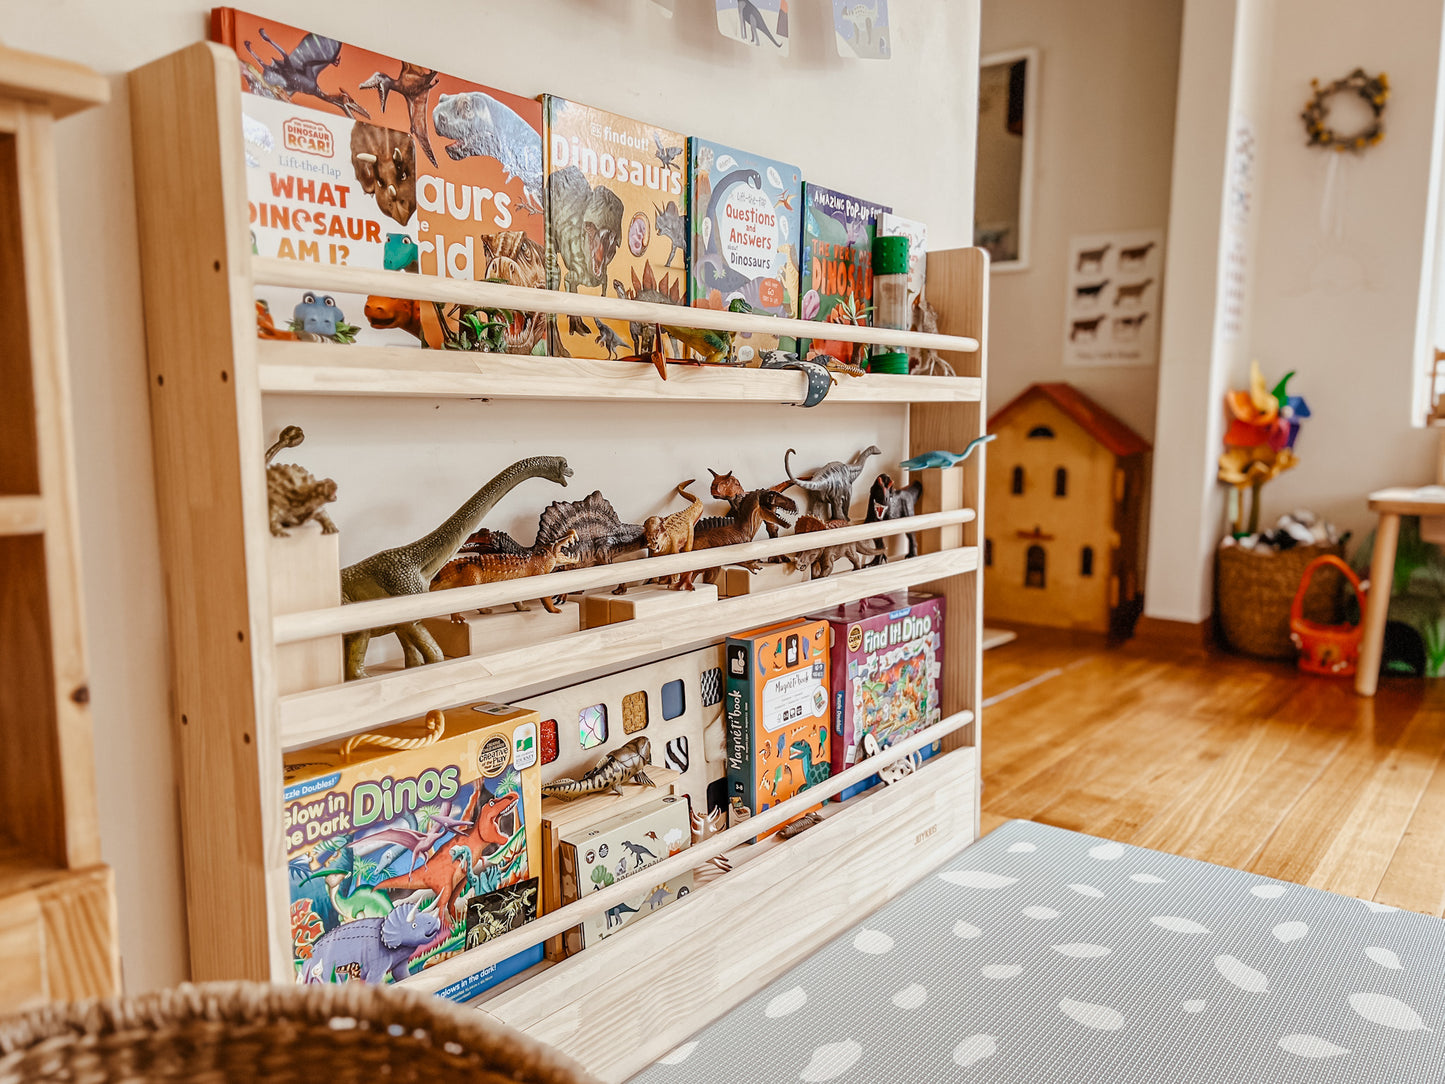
[(317, 315), (372, 948), (943, 460)]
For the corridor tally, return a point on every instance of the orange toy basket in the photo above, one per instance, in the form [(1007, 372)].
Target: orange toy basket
[(1331, 650)]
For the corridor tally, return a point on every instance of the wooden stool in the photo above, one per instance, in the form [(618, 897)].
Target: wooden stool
[(1390, 505)]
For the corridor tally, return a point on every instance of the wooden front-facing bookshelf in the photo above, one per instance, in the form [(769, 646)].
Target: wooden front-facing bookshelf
[(208, 377)]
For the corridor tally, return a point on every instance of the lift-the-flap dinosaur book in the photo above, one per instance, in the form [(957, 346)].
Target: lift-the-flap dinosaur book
[(388, 847), (357, 158), (746, 229), (837, 285), (616, 223)]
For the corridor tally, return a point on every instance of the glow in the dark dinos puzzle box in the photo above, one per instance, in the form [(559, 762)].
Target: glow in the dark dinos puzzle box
[(778, 722), (396, 854), (887, 673)]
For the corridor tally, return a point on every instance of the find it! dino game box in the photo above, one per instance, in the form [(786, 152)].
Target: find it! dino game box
[(358, 159), (399, 858), (778, 722)]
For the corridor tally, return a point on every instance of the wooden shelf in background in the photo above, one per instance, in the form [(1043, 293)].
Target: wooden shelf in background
[(22, 515)]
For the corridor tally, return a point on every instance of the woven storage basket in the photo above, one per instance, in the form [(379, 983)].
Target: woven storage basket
[(1254, 591), (251, 1032)]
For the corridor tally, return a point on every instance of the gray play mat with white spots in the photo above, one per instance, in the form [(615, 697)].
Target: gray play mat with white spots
[(1040, 955)]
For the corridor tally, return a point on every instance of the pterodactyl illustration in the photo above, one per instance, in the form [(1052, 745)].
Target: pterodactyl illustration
[(665, 155), (419, 843), (297, 72), (414, 83)]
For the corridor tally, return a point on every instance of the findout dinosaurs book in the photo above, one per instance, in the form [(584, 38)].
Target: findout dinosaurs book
[(616, 223), (776, 710), (591, 859), (837, 280), (746, 229), (360, 159), (388, 849)]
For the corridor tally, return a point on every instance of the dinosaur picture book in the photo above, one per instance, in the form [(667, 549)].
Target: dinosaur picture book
[(594, 858), (390, 849), (837, 272), (359, 159), (616, 224), (776, 710), (887, 673), (746, 229)]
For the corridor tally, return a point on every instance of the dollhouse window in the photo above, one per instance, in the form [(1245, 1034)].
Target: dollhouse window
[(1086, 561), (1034, 571), (988, 552), (674, 700), (634, 712), (1061, 482), (592, 726), (1018, 481), (1041, 432)]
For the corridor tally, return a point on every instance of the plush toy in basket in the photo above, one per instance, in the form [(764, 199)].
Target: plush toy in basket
[(1331, 650)]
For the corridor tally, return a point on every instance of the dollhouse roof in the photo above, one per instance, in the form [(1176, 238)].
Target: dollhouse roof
[(1108, 430)]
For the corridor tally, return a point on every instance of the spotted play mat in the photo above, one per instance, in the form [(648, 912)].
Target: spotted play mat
[(1041, 955)]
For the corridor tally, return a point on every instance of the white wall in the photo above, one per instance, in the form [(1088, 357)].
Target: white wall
[(901, 132), (1108, 71)]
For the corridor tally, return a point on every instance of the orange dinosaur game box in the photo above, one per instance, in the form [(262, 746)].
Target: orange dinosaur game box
[(401, 857), (777, 712), (616, 223), (357, 158)]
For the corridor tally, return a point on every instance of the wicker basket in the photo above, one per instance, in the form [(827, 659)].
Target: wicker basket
[(250, 1032), (1254, 591)]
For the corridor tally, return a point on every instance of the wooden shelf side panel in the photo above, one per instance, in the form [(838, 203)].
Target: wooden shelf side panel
[(207, 431)]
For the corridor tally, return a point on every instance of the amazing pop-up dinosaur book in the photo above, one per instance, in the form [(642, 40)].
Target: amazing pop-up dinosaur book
[(596, 857), (390, 849), (746, 229), (776, 709), (887, 673), (837, 273), (357, 158), (616, 223)]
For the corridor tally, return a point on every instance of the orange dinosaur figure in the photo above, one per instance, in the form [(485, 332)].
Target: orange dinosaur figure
[(266, 326), (442, 875)]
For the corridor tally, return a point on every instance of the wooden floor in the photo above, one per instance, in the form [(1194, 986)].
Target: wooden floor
[(1223, 759)]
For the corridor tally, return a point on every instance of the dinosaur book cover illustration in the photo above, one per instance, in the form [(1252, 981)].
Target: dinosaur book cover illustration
[(746, 229), (359, 159), (776, 709), (594, 858), (388, 848), (887, 673), (616, 224), (837, 272)]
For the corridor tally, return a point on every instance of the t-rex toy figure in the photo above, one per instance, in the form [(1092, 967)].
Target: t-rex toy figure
[(674, 533), (409, 570), (584, 228), (830, 487), (747, 512), (414, 83), (297, 72), (471, 569), (886, 501), (295, 495)]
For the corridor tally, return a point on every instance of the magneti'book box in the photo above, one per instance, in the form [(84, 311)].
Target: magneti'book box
[(616, 224), (776, 708), (400, 858), (837, 279), (746, 230), (358, 159)]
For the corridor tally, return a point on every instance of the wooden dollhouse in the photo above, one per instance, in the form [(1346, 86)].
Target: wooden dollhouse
[(1065, 496)]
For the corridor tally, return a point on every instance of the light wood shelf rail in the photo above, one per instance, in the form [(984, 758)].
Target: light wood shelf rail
[(23, 514)]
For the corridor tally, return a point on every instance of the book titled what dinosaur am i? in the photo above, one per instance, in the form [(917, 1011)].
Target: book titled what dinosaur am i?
[(355, 158), (746, 229), (616, 224), (837, 285)]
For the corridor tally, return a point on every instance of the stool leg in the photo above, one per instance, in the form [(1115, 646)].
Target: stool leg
[(1382, 577)]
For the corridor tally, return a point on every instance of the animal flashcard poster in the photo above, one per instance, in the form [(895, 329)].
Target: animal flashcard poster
[(616, 224), (1111, 306), (862, 30), (837, 274), (355, 158), (746, 229), (762, 23)]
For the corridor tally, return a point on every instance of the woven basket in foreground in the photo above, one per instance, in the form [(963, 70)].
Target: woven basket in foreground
[(251, 1032), (1254, 592)]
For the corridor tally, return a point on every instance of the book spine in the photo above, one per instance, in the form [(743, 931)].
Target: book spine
[(741, 779)]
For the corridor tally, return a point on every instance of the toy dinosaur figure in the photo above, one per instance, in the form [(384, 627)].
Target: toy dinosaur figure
[(318, 319), (716, 347), (297, 72), (584, 228), (674, 533), (886, 501), (819, 371), (627, 764), (748, 511), (481, 125), (409, 570), (471, 569), (614, 914), (830, 487), (639, 853), (375, 947), (671, 224), (414, 83), (813, 774), (801, 825), (822, 560), (601, 536), (294, 493), (944, 460)]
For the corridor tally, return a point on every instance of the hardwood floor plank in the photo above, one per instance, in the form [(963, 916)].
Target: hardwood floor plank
[(1415, 878)]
